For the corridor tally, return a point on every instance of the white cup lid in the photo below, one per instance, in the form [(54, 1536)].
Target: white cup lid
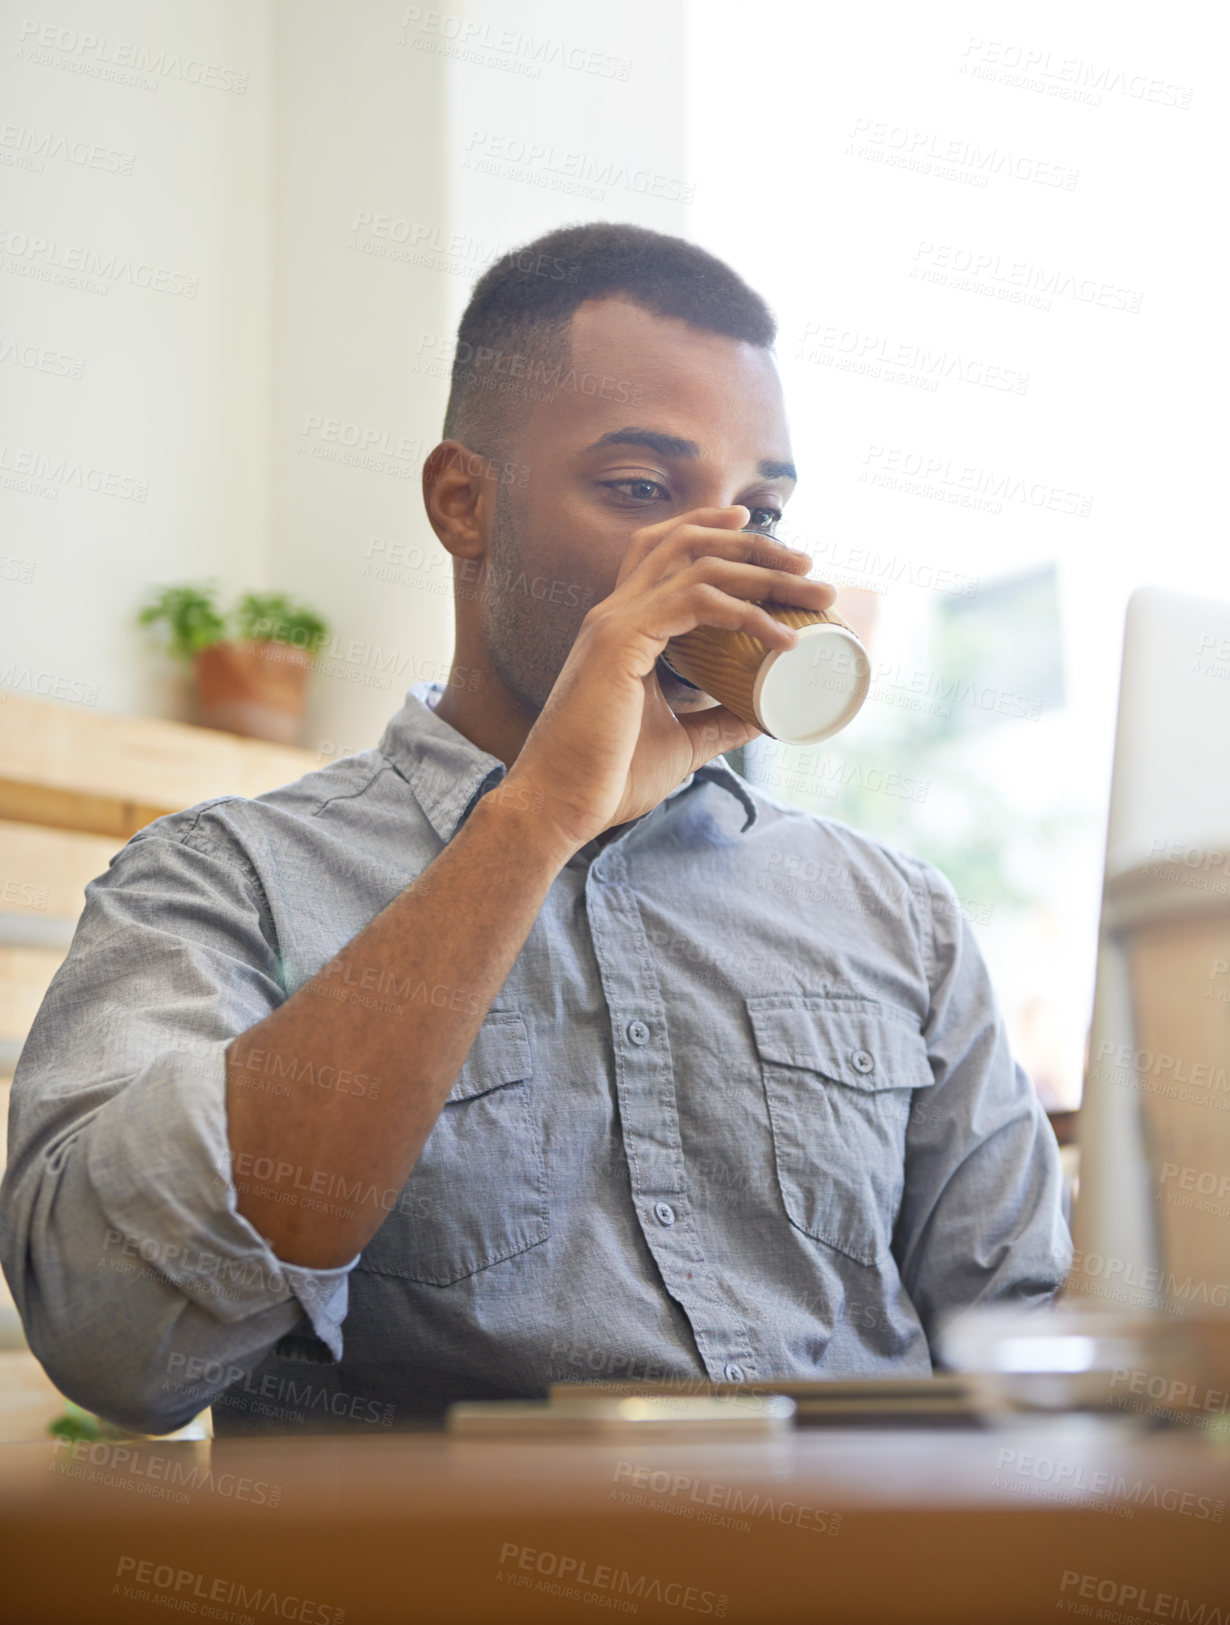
[(808, 693)]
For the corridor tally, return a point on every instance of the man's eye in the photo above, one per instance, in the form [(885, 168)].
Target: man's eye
[(768, 517), (637, 490)]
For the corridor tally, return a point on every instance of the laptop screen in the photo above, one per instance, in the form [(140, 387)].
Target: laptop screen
[(1151, 1217)]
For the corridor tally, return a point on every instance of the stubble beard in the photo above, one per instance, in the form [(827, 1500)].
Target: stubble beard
[(528, 639)]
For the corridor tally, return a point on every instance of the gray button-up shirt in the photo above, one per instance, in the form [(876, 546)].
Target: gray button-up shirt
[(744, 1108)]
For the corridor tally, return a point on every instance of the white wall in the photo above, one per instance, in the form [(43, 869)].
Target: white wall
[(385, 221), (155, 395), (354, 128), (357, 130)]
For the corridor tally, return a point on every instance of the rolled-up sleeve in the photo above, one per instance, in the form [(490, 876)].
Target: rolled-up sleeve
[(981, 1217), (143, 1291)]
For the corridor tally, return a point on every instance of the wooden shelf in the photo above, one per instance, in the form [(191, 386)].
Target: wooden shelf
[(109, 775)]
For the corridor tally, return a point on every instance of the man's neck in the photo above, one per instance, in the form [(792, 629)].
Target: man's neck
[(499, 728), (495, 722)]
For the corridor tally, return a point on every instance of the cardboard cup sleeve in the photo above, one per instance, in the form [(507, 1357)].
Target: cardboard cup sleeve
[(800, 695)]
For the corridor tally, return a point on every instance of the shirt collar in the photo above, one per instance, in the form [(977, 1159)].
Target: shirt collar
[(448, 773)]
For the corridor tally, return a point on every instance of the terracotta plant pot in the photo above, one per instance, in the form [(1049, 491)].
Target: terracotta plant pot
[(257, 689)]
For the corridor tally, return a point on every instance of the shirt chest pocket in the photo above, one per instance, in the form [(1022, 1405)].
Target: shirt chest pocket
[(839, 1078), (478, 1193)]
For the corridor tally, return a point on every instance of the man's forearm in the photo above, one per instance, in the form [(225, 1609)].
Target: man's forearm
[(454, 933)]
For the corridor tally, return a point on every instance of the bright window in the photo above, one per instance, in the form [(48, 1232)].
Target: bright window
[(999, 282)]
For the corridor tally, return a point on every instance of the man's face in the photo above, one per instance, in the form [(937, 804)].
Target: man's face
[(689, 420)]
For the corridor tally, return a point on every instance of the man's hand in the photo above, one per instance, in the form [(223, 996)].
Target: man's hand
[(606, 746)]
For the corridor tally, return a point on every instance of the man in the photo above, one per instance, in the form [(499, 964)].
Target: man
[(534, 1044)]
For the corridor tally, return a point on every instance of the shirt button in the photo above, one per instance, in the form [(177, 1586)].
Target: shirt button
[(734, 1373), (638, 1032), (664, 1212), (861, 1061)]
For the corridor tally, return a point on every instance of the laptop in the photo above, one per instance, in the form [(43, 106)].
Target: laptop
[(1143, 1322), (1149, 1219)]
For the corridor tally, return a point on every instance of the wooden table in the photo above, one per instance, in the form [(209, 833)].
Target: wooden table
[(1033, 1521)]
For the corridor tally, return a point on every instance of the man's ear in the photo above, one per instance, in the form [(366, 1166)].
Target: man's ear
[(458, 493)]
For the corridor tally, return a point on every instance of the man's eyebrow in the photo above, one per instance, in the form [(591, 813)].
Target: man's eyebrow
[(669, 445), (666, 445)]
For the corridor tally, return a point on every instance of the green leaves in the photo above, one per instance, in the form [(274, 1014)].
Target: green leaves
[(194, 620), (191, 616), (76, 1423), (273, 616)]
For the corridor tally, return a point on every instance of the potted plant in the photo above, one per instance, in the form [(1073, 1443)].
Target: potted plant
[(251, 667)]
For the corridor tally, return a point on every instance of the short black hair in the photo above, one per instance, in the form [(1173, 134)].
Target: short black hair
[(513, 337)]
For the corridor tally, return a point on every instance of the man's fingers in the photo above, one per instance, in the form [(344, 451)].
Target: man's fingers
[(713, 731), (687, 544), (645, 541), (757, 581)]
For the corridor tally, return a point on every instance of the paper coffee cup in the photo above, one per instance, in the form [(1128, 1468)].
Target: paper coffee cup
[(800, 695)]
